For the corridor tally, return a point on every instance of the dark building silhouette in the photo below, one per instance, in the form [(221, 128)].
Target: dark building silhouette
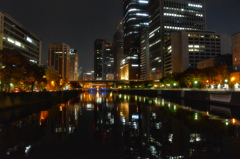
[(117, 49), (98, 55)]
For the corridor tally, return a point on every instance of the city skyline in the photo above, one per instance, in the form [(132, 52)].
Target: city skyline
[(74, 23)]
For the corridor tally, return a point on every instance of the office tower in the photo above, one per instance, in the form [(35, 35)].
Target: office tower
[(185, 49), (145, 67), (117, 49), (58, 56), (135, 19), (73, 65), (108, 62), (98, 58), (166, 16), (15, 36)]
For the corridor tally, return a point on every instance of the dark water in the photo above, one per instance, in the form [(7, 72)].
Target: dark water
[(100, 125)]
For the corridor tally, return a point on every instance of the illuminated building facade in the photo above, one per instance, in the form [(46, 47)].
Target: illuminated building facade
[(166, 16), (73, 65), (15, 36), (108, 62), (58, 56), (98, 55), (185, 49), (51, 77), (117, 49), (135, 19), (145, 67)]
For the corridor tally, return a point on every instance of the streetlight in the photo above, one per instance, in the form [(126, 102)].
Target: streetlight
[(196, 83)]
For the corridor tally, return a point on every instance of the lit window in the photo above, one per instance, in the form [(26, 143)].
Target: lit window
[(134, 65), (29, 39), (10, 40), (17, 43), (141, 1), (194, 5)]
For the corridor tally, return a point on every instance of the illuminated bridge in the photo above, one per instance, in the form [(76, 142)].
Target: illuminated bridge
[(111, 83)]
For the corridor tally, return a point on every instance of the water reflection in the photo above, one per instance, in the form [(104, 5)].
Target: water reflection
[(155, 128), (134, 126)]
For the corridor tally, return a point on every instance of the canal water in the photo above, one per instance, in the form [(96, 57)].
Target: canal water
[(115, 126)]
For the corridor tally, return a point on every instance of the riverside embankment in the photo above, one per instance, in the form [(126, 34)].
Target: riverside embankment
[(10, 100), (213, 96)]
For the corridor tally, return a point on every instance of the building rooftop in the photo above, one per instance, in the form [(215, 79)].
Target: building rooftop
[(236, 33)]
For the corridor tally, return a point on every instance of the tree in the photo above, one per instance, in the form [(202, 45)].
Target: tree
[(12, 67), (16, 68), (35, 74), (170, 79), (222, 73)]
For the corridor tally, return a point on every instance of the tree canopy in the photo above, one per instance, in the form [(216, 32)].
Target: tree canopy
[(15, 68)]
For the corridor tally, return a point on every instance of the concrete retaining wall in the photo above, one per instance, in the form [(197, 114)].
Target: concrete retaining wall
[(8, 100), (221, 97)]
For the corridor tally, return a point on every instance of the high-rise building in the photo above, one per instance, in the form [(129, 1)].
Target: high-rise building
[(135, 19), (185, 49), (98, 55), (108, 62), (73, 65), (58, 56), (145, 67), (166, 16), (117, 48), (15, 36)]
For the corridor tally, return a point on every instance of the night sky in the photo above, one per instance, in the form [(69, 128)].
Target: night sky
[(79, 22)]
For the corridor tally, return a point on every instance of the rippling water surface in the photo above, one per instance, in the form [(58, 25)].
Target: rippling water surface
[(109, 125)]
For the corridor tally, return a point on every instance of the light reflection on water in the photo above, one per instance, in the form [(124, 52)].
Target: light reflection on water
[(133, 126)]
